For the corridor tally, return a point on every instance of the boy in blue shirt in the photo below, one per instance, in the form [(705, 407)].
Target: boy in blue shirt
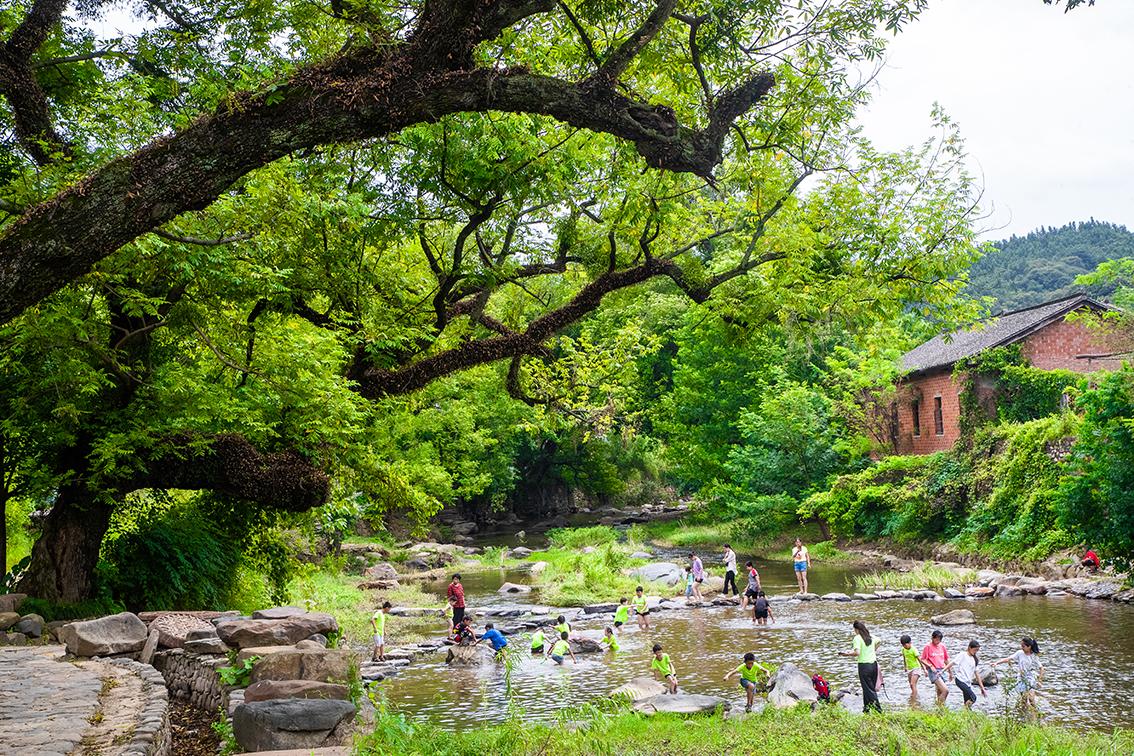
[(493, 636)]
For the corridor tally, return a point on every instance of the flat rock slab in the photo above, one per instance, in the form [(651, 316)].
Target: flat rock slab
[(279, 612), (638, 689), (117, 634), (955, 617), (681, 703), (835, 596), (278, 632), (319, 664), (867, 596), (269, 690), (45, 704), (174, 629)]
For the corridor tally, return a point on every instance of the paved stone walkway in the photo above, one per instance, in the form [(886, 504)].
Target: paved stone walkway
[(50, 707)]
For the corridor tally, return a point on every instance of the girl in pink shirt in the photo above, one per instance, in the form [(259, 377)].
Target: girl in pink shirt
[(936, 660)]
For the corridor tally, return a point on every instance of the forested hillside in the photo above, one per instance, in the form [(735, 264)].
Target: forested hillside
[(1028, 270)]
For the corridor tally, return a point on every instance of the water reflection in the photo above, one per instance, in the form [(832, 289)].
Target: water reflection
[(1087, 650)]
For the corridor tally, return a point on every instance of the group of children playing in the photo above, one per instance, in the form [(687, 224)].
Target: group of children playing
[(553, 641)]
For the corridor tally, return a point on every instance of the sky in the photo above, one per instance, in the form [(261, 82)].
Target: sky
[(1044, 99)]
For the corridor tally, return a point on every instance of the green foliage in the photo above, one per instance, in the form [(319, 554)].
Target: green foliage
[(51, 612), (1096, 500), (830, 730), (1045, 264), (12, 576), (222, 726), (1027, 393), (237, 676), (573, 578), (926, 575), (575, 538)]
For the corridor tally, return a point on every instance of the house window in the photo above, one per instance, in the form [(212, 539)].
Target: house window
[(916, 409), (938, 420)]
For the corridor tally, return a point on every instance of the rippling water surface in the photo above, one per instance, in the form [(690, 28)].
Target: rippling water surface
[(1088, 652)]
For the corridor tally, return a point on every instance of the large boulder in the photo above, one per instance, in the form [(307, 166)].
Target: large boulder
[(584, 645), (514, 588), (979, 591), (117, 634), (173, 629), (381, 571), (291, 723), (318, 664), (243, 633), (7, 619), (638, 688), (953, 593), (468, 655), (955, 617), (681, 703), (213, 645), (662, 572), (30, 625), (520, 552), (791, 686), (270, 690)]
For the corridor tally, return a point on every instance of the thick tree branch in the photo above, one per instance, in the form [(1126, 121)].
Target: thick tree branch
[(30, 110), (617, 62), (228, 464)]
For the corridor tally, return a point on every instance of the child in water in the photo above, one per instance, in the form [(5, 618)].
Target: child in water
[(538, 641), (748, 677), (965, 671), (1030, 667), (561, 649), (688, 585), (936, 660), (641, 608), (622, 613), (610, 640), (663, 669), (912, 664), (762, 609)]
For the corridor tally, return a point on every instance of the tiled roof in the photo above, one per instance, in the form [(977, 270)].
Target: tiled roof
[(1006, 328)]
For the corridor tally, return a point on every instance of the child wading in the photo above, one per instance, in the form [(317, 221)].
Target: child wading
[(538, 641), (622, 613), (562, 626), (561, 649), (753, 588), (378, 624), (610, 640), (748, 677), (663, 669), (494, 637), (936, 660), (762, 609), (688, 585), (866, 649), (913, 666), (641, 609), (1030, 667), (965, 671)]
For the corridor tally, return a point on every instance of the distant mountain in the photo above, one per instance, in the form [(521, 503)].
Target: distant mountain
[(1028, 270)]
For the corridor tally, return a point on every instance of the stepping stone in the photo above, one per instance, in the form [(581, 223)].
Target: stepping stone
[(867, 596), (681, 703)]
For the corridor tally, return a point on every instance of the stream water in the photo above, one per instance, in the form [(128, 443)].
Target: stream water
[(1088, 652)]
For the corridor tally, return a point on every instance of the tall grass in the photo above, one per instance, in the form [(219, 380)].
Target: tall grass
[(798, 732), (925, 575), (577, 538), (572, 578)]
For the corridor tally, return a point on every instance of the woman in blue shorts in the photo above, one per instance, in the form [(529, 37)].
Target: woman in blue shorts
[(801, 560)]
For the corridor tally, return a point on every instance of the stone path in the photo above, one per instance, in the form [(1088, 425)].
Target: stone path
[(51, 707)]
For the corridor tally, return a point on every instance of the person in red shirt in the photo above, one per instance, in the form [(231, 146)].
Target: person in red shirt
[(456, 595), (1091, 561)]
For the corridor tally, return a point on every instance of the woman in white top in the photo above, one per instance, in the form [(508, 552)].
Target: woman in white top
[(801, 560), (1030, 667)]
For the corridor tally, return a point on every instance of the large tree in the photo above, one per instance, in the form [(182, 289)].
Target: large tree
[(234, 238)]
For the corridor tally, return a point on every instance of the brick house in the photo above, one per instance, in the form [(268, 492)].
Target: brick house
[(927, 417)]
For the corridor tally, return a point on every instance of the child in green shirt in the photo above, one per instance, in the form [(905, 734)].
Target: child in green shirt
[(609, 640), (664, 670), (561, 649), (913, 665), (538, 640), (749, 678), (641, 608), (622, 613), (562, 625), (378, 624)]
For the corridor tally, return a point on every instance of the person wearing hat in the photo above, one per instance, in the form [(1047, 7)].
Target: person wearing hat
[(965, 671), (936, 659)]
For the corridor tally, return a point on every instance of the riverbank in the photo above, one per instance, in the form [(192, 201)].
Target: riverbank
[(793, 732)]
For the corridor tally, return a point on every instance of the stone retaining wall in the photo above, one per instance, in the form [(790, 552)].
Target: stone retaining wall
[(193, 678), (152, 736)]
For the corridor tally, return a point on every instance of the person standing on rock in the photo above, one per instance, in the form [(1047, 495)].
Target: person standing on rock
[(642, 609), (866, 649), (698, 570), (936, 659), (456, 596), (378, 624), (749, 678), (801, 561), (729, 571), (663, 669)]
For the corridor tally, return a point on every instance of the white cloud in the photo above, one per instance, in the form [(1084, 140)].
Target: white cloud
[(1044, 99)]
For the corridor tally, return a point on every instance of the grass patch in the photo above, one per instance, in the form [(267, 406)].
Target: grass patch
[(573, 578), (823, 551), (795, 732), (679, 534), (577, 538), (925, 575)]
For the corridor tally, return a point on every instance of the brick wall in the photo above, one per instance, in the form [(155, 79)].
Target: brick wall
[(924, 390), (1055, 347)]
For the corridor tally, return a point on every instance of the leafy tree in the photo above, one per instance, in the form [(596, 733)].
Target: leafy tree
[(265, 281)]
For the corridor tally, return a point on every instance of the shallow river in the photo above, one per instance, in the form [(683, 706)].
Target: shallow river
[(1087, 650)]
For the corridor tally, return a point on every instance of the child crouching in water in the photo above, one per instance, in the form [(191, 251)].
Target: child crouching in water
[(663, 669)]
